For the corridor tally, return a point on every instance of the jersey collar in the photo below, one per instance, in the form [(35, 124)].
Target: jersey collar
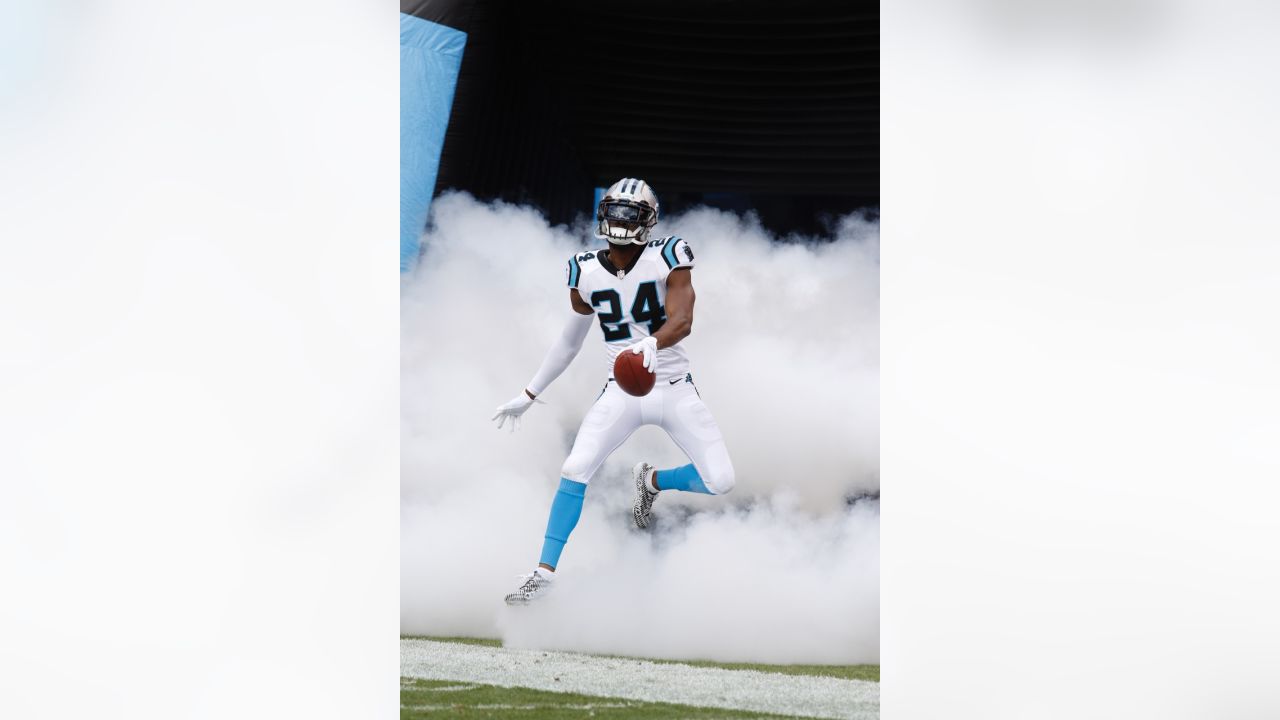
[(603, 257)]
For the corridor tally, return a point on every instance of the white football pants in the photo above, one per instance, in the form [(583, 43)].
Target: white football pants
[(674, 407)]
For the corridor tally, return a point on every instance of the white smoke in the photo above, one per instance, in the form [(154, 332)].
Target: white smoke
[(785, 351)]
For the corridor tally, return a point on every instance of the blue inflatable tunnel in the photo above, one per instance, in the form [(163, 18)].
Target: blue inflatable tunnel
[(430, 57)]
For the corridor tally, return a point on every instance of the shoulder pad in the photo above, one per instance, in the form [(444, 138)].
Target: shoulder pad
[(574, 271), (577, 264), (669, 252)]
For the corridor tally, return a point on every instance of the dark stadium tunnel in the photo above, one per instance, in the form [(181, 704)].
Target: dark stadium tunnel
[(736, 104)]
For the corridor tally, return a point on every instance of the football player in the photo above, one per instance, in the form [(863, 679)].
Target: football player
[(641, 294)]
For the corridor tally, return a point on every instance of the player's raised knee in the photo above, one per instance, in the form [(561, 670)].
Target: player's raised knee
[(720, 482), (576, 469)]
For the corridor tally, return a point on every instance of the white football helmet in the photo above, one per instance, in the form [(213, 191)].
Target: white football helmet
[(626, 213)]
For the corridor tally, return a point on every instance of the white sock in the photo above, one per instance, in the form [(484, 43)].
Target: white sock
[(548, 574), (651, 479)]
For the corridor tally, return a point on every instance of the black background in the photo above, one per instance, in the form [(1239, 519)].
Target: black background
[(742, 104)]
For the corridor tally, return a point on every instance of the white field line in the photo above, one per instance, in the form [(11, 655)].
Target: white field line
[(804, 695)]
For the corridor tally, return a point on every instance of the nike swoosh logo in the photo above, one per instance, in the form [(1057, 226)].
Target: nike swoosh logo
[(673, 382)]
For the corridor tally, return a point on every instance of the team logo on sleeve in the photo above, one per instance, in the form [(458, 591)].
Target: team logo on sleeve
[(688, 253)]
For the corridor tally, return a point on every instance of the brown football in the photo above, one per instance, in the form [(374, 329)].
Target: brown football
[(628, 370)]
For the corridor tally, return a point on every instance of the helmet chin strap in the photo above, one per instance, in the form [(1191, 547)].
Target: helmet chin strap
[(624, 240)]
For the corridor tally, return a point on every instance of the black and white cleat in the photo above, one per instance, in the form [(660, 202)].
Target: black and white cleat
[(640, 512), (536, 584)]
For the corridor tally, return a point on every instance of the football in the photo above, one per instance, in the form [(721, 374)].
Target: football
[(628, 370)]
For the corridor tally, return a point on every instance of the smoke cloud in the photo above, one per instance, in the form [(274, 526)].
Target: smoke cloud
[(785, 351)]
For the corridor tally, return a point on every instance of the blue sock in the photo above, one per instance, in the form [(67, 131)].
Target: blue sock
[(684, 478), (565, 511)]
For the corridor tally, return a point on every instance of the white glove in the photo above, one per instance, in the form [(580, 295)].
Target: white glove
[(513, 409), (649, 347)]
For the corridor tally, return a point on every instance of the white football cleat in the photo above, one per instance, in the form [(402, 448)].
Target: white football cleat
[(536, 584), (644, 496)]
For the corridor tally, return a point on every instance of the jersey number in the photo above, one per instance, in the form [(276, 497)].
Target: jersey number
[(645, 309)]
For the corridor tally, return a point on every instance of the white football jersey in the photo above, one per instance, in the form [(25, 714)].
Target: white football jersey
[(631, 303)]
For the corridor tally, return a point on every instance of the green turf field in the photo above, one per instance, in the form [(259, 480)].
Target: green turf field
[(445, 698)]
